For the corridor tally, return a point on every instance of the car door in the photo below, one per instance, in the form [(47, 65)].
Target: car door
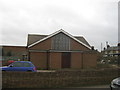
[(27, 66)]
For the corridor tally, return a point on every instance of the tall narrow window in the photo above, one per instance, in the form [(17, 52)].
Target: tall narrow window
[(60, 42)]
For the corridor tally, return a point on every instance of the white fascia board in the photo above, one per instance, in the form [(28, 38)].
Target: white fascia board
[(57, 33), (76, 39)]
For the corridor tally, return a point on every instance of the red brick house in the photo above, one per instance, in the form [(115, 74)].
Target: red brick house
[(60, 50), (12, 53)]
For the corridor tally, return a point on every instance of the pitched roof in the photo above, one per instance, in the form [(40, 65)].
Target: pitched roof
[(34, 39), (82, 39)]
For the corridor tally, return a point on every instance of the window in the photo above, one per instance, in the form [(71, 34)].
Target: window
[(17, 64), (60, 42), (26, 65)]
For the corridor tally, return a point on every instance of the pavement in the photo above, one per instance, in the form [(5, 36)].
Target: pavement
[(45, 70)]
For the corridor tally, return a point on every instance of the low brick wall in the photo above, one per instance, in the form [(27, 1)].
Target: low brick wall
[(58, 79)]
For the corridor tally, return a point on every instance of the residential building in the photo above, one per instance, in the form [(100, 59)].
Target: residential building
[(14, 52), (112, 51)]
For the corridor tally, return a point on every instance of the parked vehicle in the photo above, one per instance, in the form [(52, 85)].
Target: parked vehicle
[(9, 62), (20, 66), (115, 84)]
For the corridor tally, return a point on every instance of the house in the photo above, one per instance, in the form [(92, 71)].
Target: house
[(60, 50), (111, 54), (13, 52), (112, 51)]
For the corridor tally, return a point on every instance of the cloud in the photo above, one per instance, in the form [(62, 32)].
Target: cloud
[(96, 20)]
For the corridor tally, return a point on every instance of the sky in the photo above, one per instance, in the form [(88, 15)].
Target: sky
[(95, 20)]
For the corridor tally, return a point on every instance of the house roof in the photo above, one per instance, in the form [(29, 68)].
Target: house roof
[(1, 46), (35, 39), (32, 38), (82, 39)]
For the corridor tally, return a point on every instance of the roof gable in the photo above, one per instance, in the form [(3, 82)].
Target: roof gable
[(59, 31)]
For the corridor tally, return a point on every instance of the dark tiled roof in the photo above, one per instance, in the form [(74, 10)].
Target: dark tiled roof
[(82, 39), (32, 38)]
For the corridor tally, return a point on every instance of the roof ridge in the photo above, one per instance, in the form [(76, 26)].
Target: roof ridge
[(78, 36), (38, 34)]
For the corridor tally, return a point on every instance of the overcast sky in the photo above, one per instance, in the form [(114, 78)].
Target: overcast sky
[(96, 20)]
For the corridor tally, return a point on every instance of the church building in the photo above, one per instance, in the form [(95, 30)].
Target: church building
[(60, 50)]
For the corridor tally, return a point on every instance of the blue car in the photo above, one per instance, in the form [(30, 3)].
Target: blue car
[(20, 66)]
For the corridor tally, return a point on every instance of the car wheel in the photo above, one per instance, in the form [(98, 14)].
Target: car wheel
[(29, 71)]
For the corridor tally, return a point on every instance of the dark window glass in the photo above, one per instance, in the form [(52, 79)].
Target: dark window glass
[(26, 65), (17, 64)]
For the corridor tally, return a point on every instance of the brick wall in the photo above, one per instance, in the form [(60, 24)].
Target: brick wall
[(76, 60), (55, 60), (83, 60), (58, 79), (89, 60), (39, 59), (44, 45), (74, 45)]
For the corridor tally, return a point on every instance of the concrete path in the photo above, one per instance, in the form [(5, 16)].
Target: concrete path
[(45, 70)]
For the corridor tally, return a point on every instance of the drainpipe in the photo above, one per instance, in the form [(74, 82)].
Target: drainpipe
[(82, 60), (28, 53), (47, 63)]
